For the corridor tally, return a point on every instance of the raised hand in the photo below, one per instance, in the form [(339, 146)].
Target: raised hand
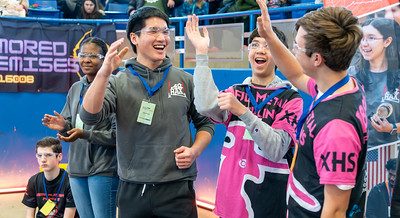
[(227, 101), (73, 135), (56, 122), (264, 26), (113, 58), (200, 43)]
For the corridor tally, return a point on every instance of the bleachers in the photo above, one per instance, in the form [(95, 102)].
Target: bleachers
[(44, 8)]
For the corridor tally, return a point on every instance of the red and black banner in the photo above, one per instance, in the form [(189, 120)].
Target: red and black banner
[(42, 57)]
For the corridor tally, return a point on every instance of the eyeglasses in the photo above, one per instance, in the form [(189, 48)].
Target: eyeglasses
[(257, 45), (46, 155), (90, 56), (155, 31), (296, 48), (371, 38)]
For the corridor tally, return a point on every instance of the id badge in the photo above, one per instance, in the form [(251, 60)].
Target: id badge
[(247, 135), (146, 112), (388, 211), (78, 122), (47, 207)]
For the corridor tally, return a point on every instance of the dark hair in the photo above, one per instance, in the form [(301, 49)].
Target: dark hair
[(387, 28), (278, 33), (334, 33), (138, 18), (99, 42), (96, 14), (391, 164), (49, 142)]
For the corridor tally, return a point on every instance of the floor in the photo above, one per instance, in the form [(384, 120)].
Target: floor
[(11, 206)]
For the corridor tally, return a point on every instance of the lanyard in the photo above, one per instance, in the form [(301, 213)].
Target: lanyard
[(329, 92), (59, 187), (151, 90), (390, 192), (81, 95), (253, 101)]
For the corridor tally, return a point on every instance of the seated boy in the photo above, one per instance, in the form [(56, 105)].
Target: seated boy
[(49, 190)]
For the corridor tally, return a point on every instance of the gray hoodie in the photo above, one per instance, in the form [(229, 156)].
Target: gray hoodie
[(145, 152), (95, 154)]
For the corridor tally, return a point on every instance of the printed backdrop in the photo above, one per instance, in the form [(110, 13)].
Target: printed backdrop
[(39, 57)]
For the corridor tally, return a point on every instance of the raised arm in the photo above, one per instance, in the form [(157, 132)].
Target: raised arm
[(283, 58), (205, 90), (94, 97)]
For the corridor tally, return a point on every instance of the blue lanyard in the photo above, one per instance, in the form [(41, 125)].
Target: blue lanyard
[(151, 90), (253, 101), (59, 187), (329, 92), (81, 95)]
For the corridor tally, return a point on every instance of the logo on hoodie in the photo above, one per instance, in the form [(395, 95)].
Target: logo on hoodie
[(177, 89)]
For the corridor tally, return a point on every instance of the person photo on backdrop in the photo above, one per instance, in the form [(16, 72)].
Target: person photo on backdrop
[(327, 175), (49, 190), (153, 103), (92, 160), (260, 116)]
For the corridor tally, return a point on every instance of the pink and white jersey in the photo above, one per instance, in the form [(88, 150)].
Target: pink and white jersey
[(332, 149), (250, 185)]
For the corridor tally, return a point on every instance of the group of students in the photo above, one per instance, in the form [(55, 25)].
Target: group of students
[(277, 160)]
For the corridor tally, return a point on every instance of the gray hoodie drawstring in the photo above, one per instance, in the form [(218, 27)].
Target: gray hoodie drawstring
[(144, 187)]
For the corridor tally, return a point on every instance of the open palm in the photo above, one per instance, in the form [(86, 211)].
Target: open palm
[(55, 122), (199, 42)]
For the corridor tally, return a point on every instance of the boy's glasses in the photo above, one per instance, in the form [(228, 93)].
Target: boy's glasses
[(45, 155), (257, 45), (90, 56), (155, 31), (297, 48)]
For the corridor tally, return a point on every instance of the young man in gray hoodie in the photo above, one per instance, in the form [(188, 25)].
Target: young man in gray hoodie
[(153, 103)]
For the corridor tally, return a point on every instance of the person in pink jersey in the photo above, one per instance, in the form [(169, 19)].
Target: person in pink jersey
[(328, 172), (260, 116)]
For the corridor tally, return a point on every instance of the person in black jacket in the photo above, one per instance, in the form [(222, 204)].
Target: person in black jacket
[(378, 204)]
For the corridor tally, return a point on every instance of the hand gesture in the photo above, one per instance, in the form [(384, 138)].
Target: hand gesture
[(227, 101), (170, 3), (264, 26), (380, 124), (73, 135), (56, 122), (113, 58), (184, 157), (199, 42)]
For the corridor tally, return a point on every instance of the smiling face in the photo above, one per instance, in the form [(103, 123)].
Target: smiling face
[(373, 45), (47, 159), (151, 43), (260, 58), (90, 64)]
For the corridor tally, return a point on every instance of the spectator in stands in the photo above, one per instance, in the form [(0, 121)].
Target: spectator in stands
[(256, 154), (189, 7), (90, 10), (321, 183), (18, 8), (70, 8), (49, 191), (214, 6), (378, 70), (166, 6), (92, 157), (395, 204), (380, 196)]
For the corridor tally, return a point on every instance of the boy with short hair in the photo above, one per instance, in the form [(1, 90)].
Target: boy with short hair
[(49, 190)]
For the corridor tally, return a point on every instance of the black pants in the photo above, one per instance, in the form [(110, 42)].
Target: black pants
[(174, 200)]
